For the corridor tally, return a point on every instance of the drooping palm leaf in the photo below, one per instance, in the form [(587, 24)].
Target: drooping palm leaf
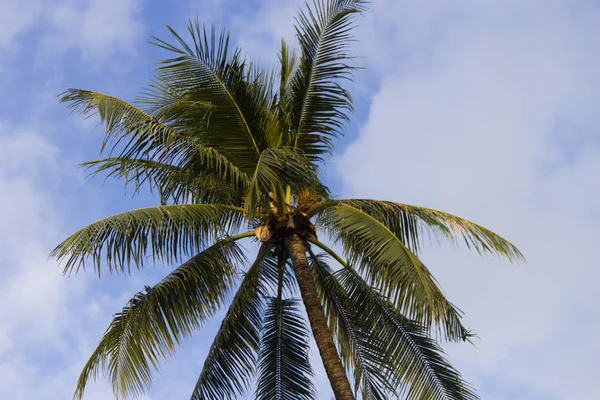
[(319, 104), (138, 135), (390, 354), (164, 233), (284, 368), (409, 223), (152, 325), (388, 264), (231, 360), (187, 184), (146, 134), (415, 361)]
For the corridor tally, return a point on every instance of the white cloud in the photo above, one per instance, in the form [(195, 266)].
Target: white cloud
[(16, 17), (97, 28), (486, 112), (44, 336)]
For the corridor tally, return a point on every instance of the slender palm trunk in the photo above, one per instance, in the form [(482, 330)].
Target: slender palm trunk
[(316, 316)]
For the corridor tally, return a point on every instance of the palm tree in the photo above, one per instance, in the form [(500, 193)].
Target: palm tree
[(234, 150)]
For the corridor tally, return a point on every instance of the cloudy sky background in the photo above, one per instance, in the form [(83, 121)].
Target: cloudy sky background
[(484, 109)]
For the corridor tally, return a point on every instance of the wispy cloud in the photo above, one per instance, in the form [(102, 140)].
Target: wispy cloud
[(97, 29)]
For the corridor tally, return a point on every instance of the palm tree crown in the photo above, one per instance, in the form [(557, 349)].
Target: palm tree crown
[(234, 151)]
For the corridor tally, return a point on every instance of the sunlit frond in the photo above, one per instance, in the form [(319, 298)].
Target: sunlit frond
[(320, 104), (124, 122), (162, 233), (389, 354), (150, 328), (136, 135), (410, 223), (388, 264)]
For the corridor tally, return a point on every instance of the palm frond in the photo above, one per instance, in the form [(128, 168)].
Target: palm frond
[(231, 360), (163, 233), (186, 184), (136, 134), (414, 361), (123, 120), (288, 58), (320, 104), (284, 368), (209, 71), (409, 223), (150, 328), (390, 354), (361, 352), (389, 265)]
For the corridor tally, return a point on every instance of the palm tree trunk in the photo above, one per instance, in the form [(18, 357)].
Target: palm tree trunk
[(316, 316)]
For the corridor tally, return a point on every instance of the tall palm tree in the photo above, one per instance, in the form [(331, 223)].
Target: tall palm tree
[(234, 151)]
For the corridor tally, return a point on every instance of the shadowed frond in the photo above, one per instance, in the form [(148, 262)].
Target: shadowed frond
[(137, 135), (389, 353), (278, 167), (164, 233), (284, 366), (152, 325), (388, 264), (209, 71), (361, 352), (409, 222), (415, 362), (178, 184), (231, 360), (319, 104)]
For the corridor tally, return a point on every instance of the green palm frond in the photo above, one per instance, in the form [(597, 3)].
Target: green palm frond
[(284, 368), (288, 58), (320, 105), (414, 360), (361, 352), (164, 233), (122, 121), (136, 134), (388, 353), (409, 222), (186, 184), (210, 71), (388, 264), (150, 328), (231, 360)]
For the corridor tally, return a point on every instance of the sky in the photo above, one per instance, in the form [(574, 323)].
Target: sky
[(487, 110)]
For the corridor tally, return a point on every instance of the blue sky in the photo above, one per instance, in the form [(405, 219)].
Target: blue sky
[(484, 109)]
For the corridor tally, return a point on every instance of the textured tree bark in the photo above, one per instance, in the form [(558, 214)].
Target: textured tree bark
[(316, 316)]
